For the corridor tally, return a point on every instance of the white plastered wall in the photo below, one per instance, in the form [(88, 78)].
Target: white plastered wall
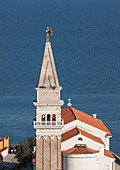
[(80, 162), (4, 152), (88, 128), (105, 162), (70, 143)]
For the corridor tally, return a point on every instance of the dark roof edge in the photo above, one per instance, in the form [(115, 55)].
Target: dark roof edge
[(73, 113), (117, 158)]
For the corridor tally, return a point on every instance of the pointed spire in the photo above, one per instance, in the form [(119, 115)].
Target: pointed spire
[(69, 104), (48, 75)]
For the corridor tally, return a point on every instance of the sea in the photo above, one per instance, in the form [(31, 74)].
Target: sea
[(86, 48)]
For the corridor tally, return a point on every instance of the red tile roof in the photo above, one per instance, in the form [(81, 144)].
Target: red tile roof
[(109, 154), (69, 134), (3, 138), (75, 131), (88, 135), (67, 115), (70, 114), (80, 150)]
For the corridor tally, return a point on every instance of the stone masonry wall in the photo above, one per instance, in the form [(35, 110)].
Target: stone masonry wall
[(53, 153), (59, 153), (39, 150), (48, 153)]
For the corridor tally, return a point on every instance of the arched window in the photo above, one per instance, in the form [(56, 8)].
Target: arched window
[(43, 117), (79, 139), (48, 117)]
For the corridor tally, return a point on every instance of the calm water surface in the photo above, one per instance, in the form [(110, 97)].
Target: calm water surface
[(86, 46)]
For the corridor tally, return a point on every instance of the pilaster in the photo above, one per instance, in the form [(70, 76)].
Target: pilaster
[(59, 153), (39, 153), (47, 153)]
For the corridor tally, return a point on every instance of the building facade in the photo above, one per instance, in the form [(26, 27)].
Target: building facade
[(85, 142), (81, 140), (4, 146)]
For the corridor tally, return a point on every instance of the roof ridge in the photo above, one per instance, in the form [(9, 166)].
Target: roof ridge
[(73, 113), (86, 113), (78, 130)]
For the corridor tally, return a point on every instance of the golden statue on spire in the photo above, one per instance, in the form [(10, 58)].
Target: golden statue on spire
[(49, 32)]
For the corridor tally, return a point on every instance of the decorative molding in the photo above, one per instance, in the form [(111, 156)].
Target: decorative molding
[(49, 89), (60, 103), (94, 155), (52, 137), (38, 137), (43, 111), (59, 137), (45, 137)]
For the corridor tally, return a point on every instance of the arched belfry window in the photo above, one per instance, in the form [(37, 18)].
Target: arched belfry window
[(43, 117), (48, 117), (53, 117)]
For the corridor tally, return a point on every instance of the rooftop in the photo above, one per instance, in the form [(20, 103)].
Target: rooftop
[(70, 114), (75, 131), (80, 150), (109, 154)]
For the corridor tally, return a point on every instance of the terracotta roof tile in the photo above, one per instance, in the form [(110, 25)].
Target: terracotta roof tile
[(109, 154), (67, 115), (75, 131), (88, 135), (69, 134), (70, 114), (80, 150)]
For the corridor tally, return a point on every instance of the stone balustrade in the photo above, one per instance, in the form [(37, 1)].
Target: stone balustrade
[(53, 124)]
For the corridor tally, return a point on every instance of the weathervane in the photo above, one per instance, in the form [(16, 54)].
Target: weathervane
[(49, 32), (69, 104)]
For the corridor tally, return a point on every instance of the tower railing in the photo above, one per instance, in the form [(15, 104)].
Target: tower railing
[(48, 123)]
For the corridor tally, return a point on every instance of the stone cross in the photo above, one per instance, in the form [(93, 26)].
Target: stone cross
[(69, 104)]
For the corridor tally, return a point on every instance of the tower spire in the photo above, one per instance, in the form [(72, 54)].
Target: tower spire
[(48, 75)]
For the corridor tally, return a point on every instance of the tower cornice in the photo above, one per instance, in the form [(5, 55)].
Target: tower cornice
[(49, 89), (60, 103)]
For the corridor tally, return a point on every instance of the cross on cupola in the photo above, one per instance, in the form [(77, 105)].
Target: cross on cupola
[(69, 103)]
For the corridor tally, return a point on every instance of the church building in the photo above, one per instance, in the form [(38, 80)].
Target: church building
[(66, 139)]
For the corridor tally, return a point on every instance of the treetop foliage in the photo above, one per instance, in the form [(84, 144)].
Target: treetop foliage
[(24, 149)]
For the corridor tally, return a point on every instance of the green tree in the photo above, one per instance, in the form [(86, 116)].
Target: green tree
[(23, 150), (31, 142)]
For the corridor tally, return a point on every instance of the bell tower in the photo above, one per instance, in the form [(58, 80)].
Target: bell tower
[(48, 124)]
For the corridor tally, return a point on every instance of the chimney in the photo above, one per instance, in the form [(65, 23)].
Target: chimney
[(94, 115)]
